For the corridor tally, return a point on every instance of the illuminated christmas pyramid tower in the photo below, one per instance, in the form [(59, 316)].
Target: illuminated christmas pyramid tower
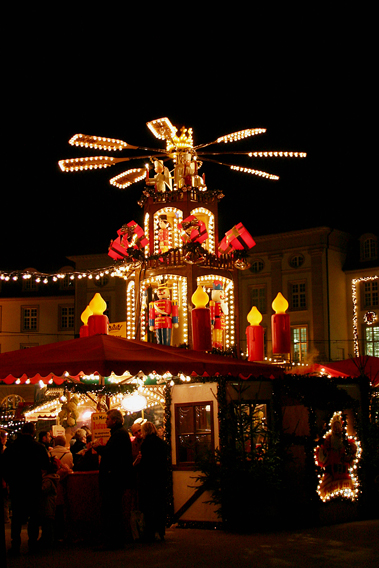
[(176, 248)]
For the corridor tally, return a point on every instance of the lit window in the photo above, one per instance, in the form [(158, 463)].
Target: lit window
[(372, 340), (251, 419), (194, 431), (300, 343)]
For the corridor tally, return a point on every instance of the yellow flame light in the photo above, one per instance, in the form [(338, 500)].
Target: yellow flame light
[(86, 314), (97, 305), (254, 317), (280, 304), (200, 298)]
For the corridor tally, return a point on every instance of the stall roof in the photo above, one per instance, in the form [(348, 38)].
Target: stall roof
[(104, 354), (353, 367)]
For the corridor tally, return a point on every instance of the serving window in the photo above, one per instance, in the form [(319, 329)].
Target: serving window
[(193, 432)]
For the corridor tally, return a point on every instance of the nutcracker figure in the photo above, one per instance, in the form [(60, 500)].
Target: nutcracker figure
[(163, 233), (163, 315), (219, 308)]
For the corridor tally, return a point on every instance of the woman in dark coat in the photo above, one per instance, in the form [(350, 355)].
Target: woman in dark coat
[(153, 481)]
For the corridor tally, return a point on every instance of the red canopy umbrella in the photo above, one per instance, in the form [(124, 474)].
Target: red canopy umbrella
[(104, 354), (354, 367)]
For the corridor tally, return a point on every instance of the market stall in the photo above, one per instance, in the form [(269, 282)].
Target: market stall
[(102, 365)]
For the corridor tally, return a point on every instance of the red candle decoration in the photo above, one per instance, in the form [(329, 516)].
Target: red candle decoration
[(83, 331), (255, 335), (280, 327), (201, 321), (97, 322)]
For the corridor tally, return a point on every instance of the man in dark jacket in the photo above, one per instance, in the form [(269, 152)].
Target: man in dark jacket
[(115, 482), (24, 462)]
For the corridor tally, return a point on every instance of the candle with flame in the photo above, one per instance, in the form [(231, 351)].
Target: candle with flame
[(280, 326), (83, 332), (254, 334), (98, 322), (201, 321)]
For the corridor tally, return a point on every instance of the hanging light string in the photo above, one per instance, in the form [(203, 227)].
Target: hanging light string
[(123, 270)]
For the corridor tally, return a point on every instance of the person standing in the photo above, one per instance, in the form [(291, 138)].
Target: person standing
[(24, 462), (115, 482), (44, 438), (153, 482)]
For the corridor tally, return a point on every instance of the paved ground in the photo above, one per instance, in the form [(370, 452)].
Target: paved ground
[(347, 545)]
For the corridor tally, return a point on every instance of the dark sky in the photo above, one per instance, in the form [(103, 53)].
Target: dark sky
[(304, 83)]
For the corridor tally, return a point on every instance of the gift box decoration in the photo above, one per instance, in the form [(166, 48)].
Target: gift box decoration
[(238, 238), (131, 235), (193, 230)]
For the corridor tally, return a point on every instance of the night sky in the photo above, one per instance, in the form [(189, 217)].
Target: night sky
[(105, 78)]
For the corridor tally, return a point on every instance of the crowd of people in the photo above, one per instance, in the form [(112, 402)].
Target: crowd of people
[(132, 470)]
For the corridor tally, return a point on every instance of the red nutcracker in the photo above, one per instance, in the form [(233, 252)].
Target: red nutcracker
[(219, 308), (163, 233), (163, 315)]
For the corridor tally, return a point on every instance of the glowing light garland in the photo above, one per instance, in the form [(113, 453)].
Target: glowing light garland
[(354, 283), (346, 486)]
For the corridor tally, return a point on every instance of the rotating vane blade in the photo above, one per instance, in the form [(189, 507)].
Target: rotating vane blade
[(92, 163), (240, 135), (254, 172), (162, 128), (126, 179), (99, 143), (277, 154), (235, 136)]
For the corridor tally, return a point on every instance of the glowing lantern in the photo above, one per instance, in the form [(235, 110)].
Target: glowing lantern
[(280, 326), (97, 322), (134, 402), (201, 321), (255, 333)]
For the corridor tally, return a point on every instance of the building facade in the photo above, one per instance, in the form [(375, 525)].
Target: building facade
[(35, 311), (330, 280), (331, 284)]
